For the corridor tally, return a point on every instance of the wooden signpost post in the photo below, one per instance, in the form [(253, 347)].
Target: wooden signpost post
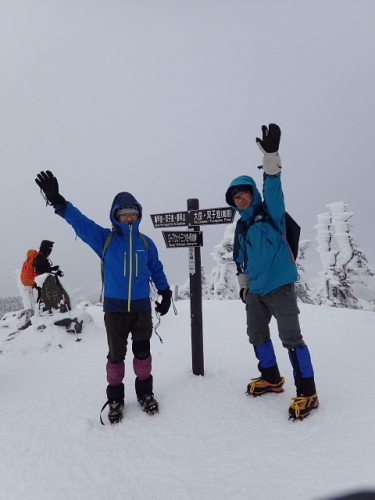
[(193, 240)]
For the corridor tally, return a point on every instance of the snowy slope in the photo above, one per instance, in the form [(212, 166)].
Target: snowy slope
[(209, 440)]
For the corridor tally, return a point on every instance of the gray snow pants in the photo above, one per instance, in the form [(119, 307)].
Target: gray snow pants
[(281, 304)]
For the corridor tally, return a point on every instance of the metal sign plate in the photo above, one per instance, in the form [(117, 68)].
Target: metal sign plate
[(191, 260), (204, 217), (181, 239), (224, 215), (171, 219)]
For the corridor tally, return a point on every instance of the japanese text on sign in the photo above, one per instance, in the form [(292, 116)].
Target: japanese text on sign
[(170, 220), (176, 239), (191, 261), (211, 216)]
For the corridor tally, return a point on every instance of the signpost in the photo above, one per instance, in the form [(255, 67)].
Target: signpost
[(210, 216), (178, 239), (170, 220), (194, 217), (196, 304), (193, 240)]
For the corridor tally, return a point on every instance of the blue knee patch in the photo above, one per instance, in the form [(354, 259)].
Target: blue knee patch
[(266, 354)]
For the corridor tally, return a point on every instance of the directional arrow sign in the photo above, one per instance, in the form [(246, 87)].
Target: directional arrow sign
[(207, 216), (180, 239), (170, 219), (223, 215)]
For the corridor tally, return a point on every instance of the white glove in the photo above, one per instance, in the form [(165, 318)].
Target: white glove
[(243, 281), (271, 162)]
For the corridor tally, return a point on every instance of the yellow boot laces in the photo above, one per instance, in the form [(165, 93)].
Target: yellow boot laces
[(260, 382), (301, 403)]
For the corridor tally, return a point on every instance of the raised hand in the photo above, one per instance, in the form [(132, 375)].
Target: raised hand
[(270, 141), (269, 145), (50, 188)]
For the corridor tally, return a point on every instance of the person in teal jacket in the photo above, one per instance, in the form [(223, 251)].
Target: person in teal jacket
[(130, 259), (266, 274)]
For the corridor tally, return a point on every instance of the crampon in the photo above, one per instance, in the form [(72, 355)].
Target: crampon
[(302, 406), (149, 403)]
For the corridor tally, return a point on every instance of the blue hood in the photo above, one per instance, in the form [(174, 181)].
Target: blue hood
[(123, 200), (255, 202)]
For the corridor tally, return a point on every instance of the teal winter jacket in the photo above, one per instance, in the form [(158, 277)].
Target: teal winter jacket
[(263, 252)]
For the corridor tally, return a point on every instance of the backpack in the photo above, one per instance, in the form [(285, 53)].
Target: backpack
[(28, 269), (293, 230)]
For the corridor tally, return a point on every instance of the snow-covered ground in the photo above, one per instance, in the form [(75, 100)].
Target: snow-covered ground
[(210, 440)]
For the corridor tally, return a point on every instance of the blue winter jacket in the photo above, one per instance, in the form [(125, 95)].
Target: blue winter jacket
[(128, 264), (263, 252)]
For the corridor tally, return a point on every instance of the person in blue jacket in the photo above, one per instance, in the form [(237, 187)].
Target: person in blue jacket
[(130, 260), (266, 275)]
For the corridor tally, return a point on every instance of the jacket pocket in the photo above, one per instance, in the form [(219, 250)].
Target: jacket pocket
[(140, 264)]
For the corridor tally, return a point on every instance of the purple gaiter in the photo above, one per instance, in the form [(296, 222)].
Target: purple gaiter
[(115, 373), (142, 367)]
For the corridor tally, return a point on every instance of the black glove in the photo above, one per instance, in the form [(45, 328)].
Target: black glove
[(243, 294), (163, 306), (270, 141), (60, 273), (50, 187), (55, 268)]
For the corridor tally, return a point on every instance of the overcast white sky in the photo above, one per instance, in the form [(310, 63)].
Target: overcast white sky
[(164, 99)]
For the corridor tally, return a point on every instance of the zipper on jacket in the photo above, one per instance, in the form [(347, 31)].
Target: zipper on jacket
[(125, 257), (130, 266), (136, 265)]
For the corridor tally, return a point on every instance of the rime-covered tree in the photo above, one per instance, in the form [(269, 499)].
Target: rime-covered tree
[(345, 267), (205, 285), (184, 290), (302, 288), (223, 281), (10, 304)]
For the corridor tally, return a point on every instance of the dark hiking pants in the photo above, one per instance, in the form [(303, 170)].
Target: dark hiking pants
[(118, 326)]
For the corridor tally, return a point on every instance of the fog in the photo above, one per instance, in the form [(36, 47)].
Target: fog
[(164, 100)]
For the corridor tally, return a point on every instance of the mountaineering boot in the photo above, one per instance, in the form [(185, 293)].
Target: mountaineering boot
[(115, 401), (149, 403), (259, 386), (302, 406), (145, 396), (115, 412), (270, 379)]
